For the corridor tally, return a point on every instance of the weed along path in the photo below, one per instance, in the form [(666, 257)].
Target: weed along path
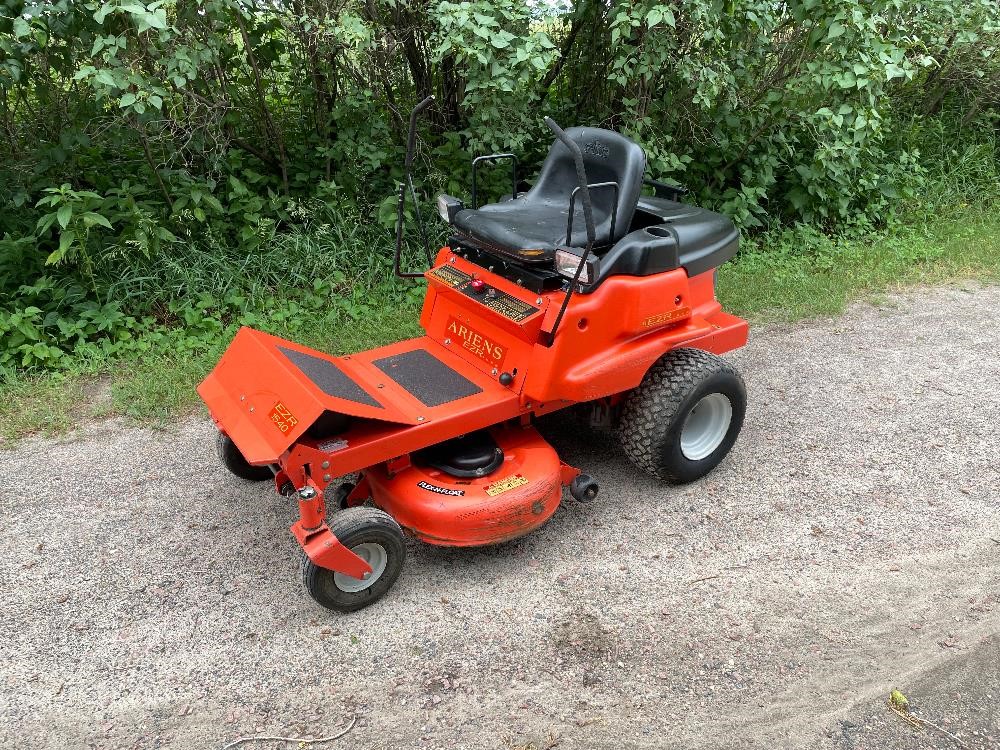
[(848, 546)]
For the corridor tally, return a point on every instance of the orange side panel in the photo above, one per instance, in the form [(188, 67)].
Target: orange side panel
[(625, 364), (608, 339), (261, 397), (266, 392)]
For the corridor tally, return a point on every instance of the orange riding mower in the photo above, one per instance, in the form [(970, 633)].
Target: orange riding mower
[(578, 289)]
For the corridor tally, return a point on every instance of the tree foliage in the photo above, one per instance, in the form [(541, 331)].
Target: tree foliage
[(128, 128)]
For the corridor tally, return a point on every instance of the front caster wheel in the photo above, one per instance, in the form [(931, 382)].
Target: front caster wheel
[(375, 537), (583, 488), (340, 495), (684, 417), (233, 460)]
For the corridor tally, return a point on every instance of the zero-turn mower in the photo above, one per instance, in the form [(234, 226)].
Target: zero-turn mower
[(578, 289)]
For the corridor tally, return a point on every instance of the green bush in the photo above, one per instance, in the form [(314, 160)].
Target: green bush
[(156, 152)]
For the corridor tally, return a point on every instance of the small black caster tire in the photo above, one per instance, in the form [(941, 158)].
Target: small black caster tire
[(684, 417), (233, 460), (340, 494), (371, 534), (584, 488)]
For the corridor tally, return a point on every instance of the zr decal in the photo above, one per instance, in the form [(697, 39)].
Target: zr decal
[(667, 317)]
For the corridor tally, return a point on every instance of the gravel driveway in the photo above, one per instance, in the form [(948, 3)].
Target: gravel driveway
[(849, 545)]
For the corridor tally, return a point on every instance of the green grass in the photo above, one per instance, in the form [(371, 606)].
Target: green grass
[(155, 389), (799, 274), (780, 276), (44, 403)]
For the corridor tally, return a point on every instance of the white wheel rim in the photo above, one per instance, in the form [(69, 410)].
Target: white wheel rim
[(372, 553), (706, 426)]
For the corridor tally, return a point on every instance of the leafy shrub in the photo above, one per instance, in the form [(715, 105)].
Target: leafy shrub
[(50, 320), (156, 152)]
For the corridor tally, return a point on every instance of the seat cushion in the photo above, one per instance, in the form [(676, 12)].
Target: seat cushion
[(530, 229)]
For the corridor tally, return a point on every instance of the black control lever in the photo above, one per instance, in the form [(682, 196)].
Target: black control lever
[(411, 142), (588, 218)]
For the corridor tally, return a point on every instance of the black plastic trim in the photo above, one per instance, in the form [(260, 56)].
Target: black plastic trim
[(426, 377), (329, 378)]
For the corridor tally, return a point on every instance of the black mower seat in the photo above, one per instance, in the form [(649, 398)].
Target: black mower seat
[(530, 227)]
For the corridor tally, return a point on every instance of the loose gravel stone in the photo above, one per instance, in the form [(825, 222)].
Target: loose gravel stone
[(847, 546)]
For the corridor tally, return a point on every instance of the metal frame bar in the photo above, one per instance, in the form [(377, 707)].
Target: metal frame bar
[(411, 141), (494, 157)]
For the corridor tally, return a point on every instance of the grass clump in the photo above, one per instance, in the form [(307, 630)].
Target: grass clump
[(798, 273)]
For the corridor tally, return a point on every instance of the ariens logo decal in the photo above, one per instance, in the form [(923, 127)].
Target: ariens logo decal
[(440, 490), (487, 350)]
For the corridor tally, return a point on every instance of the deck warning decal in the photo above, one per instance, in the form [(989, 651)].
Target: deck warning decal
[(507, 483)]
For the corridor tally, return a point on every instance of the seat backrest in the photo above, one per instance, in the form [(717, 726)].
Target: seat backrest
[(607, 157)]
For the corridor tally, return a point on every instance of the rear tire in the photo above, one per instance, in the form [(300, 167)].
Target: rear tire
[(371, 534), (684, 417), (233, 460)]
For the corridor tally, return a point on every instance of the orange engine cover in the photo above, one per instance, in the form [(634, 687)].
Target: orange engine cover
[(517, 497)]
